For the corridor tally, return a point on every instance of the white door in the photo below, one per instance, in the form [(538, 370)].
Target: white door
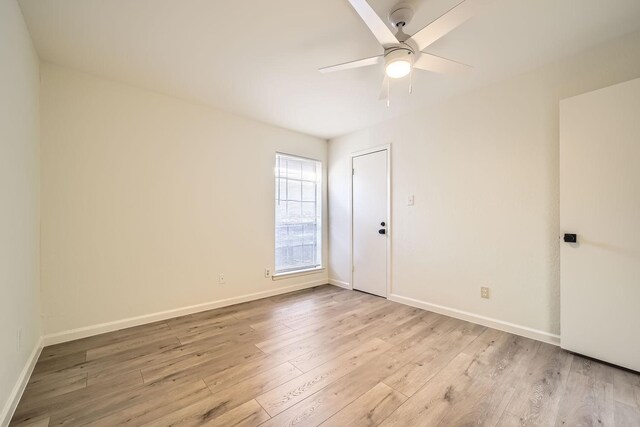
[(600, 202), (370, 223)]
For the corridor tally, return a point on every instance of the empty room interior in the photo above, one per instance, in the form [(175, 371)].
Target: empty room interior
[(337, 213)]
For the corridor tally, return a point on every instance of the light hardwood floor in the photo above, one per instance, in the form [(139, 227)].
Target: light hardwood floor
[(322, 356)]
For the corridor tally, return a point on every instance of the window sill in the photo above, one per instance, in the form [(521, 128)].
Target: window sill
[(296, 273)]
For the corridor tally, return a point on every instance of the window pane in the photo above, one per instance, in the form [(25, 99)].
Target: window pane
[(309, 234), (294, 187), (298, 214), (294, 169), (308, 191), (309, 210), (294, 212), (309, 171)]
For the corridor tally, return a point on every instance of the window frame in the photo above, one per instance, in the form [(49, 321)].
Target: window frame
[(319, 223)]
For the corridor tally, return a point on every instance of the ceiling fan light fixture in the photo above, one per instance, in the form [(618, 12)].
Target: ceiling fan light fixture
[(398, 63), (398, 69)]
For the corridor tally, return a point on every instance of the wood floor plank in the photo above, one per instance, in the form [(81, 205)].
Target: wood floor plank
[(200, 321), (416, 325), (354, 310), (427, 353), (212, 407), (59, 363), (99, 408), (323, 404), (383, 312), (193, 360), (369, 409), (292, 320), (430, 404), (123, 364), (471, 387), (294, 391), (273, 344), (218, 336), (328, 316), (626, 416), (500, 362), (335, 348), (222, 379), (41, 422), (403, 314), (624, 383), (117, 363), (310, 293), (285, 308), (128, 344), (47, 389), (592, 369), (322, 355), (152, 408), (586, 401), (84, 344), (322, 341), (249, 414), (537, 399), (30, 409)]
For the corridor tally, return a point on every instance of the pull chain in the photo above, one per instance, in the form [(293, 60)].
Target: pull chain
[(411, 80), (388, 93)]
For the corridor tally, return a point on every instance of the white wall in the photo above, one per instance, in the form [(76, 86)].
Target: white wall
[(484, 171), (147, 198), (19, 204)]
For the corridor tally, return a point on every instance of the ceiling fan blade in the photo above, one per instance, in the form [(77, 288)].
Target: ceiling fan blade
[(448, 22), (437, 64), (353, 64), (376, 25)]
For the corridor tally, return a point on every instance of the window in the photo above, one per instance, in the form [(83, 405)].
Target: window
[(298, 214)]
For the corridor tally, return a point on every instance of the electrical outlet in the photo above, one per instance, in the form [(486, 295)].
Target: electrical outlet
[(484, 292), (267, 272), (221, 278)]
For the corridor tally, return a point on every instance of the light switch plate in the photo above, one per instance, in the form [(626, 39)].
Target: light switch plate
[(410, 200)]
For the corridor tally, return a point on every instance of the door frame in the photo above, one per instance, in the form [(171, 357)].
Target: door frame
[(389, 234)]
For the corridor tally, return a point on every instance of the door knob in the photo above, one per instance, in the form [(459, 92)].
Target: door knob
[(382, 231), (571, 238)]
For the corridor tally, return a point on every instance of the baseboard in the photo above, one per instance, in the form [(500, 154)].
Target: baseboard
[(12, 403), (102, 328), (480, 320), (340, 284)]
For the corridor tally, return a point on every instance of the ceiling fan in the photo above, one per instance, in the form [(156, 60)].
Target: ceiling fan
[(403, 53)]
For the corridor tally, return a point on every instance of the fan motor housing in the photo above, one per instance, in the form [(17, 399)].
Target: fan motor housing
[(401, 52)]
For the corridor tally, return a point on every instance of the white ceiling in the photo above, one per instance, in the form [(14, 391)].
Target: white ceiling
[(259, 58)]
